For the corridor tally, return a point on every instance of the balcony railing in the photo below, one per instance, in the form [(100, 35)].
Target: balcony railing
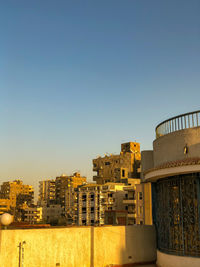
[(181, 122)]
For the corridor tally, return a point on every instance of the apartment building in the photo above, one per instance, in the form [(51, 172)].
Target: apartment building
[(65, 182), (71, 205), (130, 201), (114, 168), (4, 205), (93, 200), (47, 192), (138, 203), (17, 192), (52, 213), (33, 215)]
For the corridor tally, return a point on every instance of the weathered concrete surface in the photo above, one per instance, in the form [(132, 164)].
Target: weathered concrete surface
[(78, 246), (166, 260)]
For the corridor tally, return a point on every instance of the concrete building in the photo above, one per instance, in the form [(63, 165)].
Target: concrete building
[(33, 215), (114, 168), (71, 205), (47, 192), (17, 192), (173, 168), (93, 200), (4, 205), (116, 217), (52, 213), (143, 196), (130, 201), (65, 182)]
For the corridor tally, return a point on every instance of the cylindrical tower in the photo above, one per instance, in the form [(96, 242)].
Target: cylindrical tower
[(175, 177)]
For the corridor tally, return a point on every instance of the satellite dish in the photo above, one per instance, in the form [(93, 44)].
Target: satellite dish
[(6, 219)]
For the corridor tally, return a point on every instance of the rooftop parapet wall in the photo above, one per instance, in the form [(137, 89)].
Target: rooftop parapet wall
[(178, 145), (78, 246)]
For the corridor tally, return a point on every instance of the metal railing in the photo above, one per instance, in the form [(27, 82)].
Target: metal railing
[(177, 123)]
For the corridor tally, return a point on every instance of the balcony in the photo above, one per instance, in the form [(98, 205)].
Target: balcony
[(131, 215), (129, 201)]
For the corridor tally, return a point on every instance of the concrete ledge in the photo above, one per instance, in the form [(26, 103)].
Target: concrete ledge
[(163, 173), (138, 264), (166, 260)]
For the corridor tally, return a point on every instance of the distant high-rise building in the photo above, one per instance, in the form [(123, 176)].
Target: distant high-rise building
[(65, 182), (47, 192), (17, 192), (114, 168)]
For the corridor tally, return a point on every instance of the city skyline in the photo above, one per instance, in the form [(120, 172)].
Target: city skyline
[(77, 80)]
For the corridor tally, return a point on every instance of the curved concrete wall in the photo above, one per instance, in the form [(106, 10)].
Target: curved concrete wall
[(166, 260), (170, 147)]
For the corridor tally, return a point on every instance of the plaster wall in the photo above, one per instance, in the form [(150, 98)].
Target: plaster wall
[(166, 260), (146, 160), (170, 147), (78, 246)]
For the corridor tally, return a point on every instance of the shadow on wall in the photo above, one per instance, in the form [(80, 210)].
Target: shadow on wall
[(78, 246), (119, 246), (140, 246)]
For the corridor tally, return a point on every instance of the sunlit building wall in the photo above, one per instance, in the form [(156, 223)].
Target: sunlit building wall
[(114, 168)]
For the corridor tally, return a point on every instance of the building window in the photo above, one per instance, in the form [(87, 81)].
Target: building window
[(83, 210), (84, 197), (139, 195), (107, 163), (123, 173)]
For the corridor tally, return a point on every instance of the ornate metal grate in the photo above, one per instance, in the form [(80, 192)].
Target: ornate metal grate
[(176, 203)]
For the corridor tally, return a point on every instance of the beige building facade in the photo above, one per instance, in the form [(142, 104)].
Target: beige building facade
[(33, 215), (65, 182), (4, 205), (93, 200), (114, 168), (17, 193), (47, 192)]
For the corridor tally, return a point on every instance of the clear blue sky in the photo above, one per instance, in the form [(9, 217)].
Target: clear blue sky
[(78, 78)]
